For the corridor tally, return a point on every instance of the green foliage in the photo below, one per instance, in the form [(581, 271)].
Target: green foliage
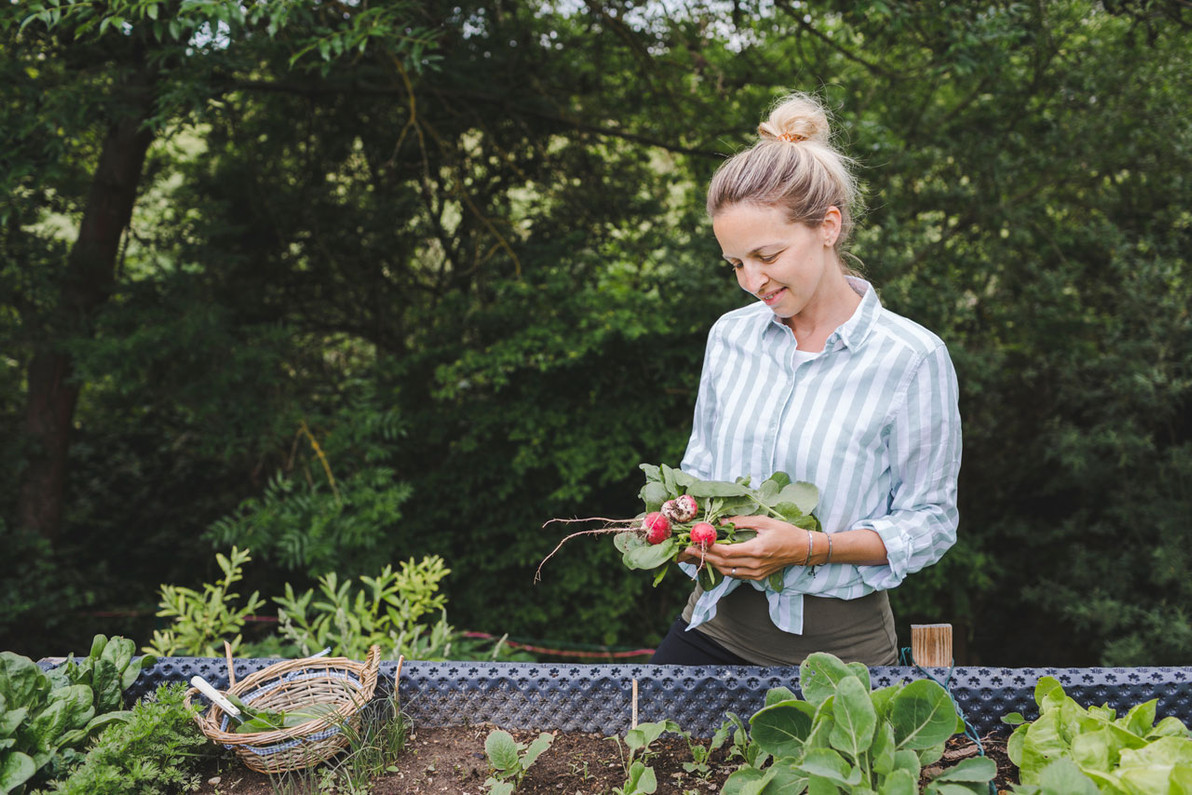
[(388, 610), (846, 736), (509, 760), (639, 776), (202, 620), (45, 718), (311, 519), (1071, 749), (154, 752)]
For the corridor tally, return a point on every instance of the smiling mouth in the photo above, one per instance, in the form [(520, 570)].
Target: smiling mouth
[(770, 297)]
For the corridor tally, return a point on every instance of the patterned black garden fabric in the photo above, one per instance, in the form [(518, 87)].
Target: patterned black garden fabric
[(599, 698)]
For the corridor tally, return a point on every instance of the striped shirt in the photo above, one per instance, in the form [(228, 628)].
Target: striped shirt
[(872, 422)]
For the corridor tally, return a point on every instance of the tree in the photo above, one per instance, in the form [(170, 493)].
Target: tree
[(144, 61)]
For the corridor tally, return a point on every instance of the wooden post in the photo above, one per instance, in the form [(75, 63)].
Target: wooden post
[(931, 645)]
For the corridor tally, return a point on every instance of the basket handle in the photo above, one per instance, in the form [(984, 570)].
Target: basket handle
[(373, 661)]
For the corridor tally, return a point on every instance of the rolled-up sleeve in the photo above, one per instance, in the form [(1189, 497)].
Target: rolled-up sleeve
[(925, 447)]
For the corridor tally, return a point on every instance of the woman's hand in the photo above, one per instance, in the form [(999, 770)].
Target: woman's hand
[(777, 545)]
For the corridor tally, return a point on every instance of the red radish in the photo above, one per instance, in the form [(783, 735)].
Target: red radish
[(681, 509), (703, 535), (657, 527)]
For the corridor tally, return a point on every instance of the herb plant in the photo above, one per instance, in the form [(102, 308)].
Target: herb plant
[(201, 621), (389, 610), (846, 737), (1071, 750), (153, 752)]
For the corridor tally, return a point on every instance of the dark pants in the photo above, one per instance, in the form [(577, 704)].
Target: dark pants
[(683, 647)]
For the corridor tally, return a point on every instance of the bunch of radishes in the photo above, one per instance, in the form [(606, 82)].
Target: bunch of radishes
[(682, 511), (660, 525)]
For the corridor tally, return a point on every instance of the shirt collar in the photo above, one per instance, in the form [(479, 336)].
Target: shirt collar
[(852, 333), (854, 330)]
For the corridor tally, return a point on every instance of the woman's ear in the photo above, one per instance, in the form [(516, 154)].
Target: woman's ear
[(830, 226)]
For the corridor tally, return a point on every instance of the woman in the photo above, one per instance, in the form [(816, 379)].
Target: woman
[(817, 380)]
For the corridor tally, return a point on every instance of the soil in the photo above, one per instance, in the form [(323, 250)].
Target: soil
[(451, 759)]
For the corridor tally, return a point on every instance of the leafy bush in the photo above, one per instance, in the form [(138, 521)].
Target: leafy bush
[(200, 620), (388, 611), (46, 717), (846, 736), (152, 752), (314, 517), (1070, 750)]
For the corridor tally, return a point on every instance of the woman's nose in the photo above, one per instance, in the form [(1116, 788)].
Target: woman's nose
[(750, 277)]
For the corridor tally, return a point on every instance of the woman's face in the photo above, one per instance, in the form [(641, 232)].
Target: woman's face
[(788, 266)]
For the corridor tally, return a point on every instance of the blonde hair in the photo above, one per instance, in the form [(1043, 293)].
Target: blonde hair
[(794, 166)]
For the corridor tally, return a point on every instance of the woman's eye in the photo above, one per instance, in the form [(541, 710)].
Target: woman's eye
[(768, 259)]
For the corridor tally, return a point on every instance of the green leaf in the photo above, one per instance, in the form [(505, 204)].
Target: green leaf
[(1141, 718), (804, 496), (781, 730), (105, 683), (1063, 776), (777, 695), (15, 769), (906, 759), (1042, 742), (820, 674), (881, 752), (496, 787), (628, 540), (502, 750), (779, 479), (923, 715), (641, 779), (739, 781), (979, 769), (651, 555), (1091, 749), (536, 748), (882, 698), (828, 764), (653, 471), (653, 494), (899, 782), (1044, 686), (717, 488), (856, 719)]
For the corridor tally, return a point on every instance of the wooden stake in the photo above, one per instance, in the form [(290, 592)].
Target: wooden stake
[(633, 721), (231, 668), (931, 645)]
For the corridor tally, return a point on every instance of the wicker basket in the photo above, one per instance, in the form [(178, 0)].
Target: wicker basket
[(288, 686)]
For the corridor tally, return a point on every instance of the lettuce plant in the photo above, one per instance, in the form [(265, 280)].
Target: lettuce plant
[(1070, 750), (46, 717), (843, 736)]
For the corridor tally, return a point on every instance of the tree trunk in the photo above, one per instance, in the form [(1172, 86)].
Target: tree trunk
[(86, 285)]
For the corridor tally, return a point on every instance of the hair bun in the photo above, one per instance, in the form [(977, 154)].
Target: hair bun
[(796, 117)]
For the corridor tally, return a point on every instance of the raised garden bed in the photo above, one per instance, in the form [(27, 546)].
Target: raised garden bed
[(600, 698)]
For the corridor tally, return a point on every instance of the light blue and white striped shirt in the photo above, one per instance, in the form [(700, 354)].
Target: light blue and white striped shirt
[(872, 421)]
